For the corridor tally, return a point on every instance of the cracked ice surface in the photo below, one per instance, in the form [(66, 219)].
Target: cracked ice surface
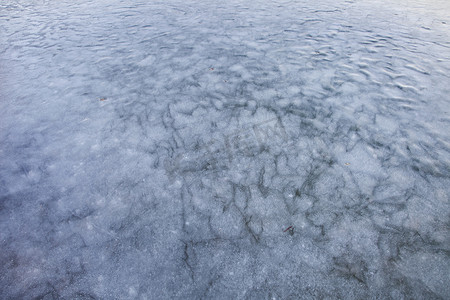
[(160, 149)]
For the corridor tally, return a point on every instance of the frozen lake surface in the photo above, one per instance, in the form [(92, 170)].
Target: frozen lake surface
[(231, 150)]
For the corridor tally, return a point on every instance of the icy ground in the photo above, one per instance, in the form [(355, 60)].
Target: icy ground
[(162, 149)]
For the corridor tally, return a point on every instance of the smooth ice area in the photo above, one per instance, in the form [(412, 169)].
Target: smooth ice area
[(224, 149)]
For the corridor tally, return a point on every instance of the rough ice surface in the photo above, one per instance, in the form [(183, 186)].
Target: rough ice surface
[(160, 149)]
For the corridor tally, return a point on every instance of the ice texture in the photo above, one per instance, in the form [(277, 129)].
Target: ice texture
[(224, 149)]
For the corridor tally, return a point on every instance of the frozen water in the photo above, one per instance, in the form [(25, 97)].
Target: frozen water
[(160, 149)]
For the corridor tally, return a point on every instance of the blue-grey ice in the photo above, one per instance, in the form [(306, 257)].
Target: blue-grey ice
[(224, 149)]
